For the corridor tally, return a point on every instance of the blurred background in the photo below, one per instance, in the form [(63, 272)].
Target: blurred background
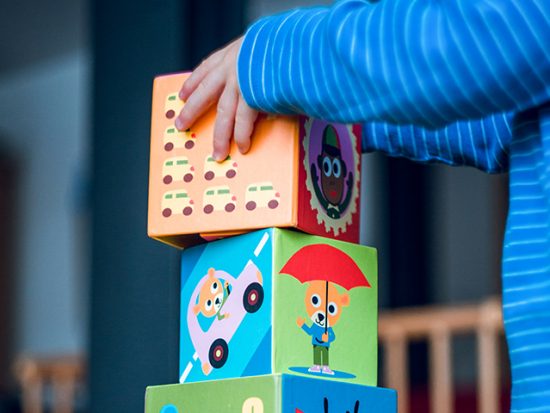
[(81, 285)]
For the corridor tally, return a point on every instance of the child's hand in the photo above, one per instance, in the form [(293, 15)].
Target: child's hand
[(216, 78)]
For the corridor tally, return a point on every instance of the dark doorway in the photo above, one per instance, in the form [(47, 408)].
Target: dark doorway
[(134, 337), (8, 219)]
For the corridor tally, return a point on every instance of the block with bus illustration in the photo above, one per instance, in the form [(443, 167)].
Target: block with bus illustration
[(277, 393), (279, 301), (300, 172)]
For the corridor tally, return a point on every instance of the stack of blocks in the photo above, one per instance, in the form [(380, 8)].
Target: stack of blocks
[(278, 299)]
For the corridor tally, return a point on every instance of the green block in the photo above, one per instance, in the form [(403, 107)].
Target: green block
[(270, 394), (282, 328)]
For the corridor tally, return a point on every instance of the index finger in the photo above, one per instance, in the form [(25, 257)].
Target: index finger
[(207, 92)]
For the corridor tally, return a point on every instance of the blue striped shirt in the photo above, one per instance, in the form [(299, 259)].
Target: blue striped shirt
[(473, 76)]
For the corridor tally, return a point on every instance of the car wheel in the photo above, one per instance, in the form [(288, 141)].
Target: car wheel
[(187, 211), (208, 209), (167, 179), (188, 177), (251, 205), (166, 212), (273, 204), (169, 146), (231, 173), (189, 144), (218, 353), (170, 114), (230, 207), (209, 175), (253, 297)]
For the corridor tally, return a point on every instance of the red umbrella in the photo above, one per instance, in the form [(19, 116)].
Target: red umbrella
[(326, 263)]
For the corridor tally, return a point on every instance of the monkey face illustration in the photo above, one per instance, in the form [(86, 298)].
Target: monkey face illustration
[(332, 168), (332, 177)]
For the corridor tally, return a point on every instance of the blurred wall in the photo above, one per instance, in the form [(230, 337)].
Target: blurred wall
[(44, 73), (43, 122), (466, 232)]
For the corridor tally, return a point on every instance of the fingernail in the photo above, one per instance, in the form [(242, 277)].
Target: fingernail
[(179, 123), (217, 156)]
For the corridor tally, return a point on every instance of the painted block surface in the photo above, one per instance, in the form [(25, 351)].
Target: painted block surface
[(257, 304), (270, 394), (300, 172)]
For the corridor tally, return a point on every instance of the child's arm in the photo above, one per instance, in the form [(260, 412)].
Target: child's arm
[(424, 62), (482, 144)]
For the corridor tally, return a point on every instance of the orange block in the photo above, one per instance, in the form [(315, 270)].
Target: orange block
[(300, 172)]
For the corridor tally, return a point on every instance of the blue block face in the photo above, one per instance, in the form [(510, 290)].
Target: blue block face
[(304, 395), (226, 303)]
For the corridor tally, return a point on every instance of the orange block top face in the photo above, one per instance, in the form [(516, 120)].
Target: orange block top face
[(190, 194)]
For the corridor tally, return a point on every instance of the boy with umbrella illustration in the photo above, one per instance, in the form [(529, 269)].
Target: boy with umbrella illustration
[(323, 266)]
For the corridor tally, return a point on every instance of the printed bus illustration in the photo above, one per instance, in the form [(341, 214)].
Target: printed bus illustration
[(177, 168), (261, 195), (176, 202), (213, 169), (218, 198), (172, 105), (175, 139)]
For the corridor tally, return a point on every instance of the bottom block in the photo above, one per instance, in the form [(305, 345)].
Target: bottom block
[(270, 394)]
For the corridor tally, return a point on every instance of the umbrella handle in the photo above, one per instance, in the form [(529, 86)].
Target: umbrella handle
[(326, 307)]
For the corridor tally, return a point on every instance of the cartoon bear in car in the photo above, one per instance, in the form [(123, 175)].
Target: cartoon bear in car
[(324, 307), (212, 297), (226, 303)]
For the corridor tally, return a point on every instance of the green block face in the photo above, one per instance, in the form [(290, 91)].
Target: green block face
[(311, 310), (319, 280), (270, 394), (251, 395)]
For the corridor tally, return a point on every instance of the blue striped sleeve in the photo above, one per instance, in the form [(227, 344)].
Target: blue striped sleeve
[(483, 144), (423, 62)]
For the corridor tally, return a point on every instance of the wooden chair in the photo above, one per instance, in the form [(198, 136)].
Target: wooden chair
[(63, 375), (437, 325)]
